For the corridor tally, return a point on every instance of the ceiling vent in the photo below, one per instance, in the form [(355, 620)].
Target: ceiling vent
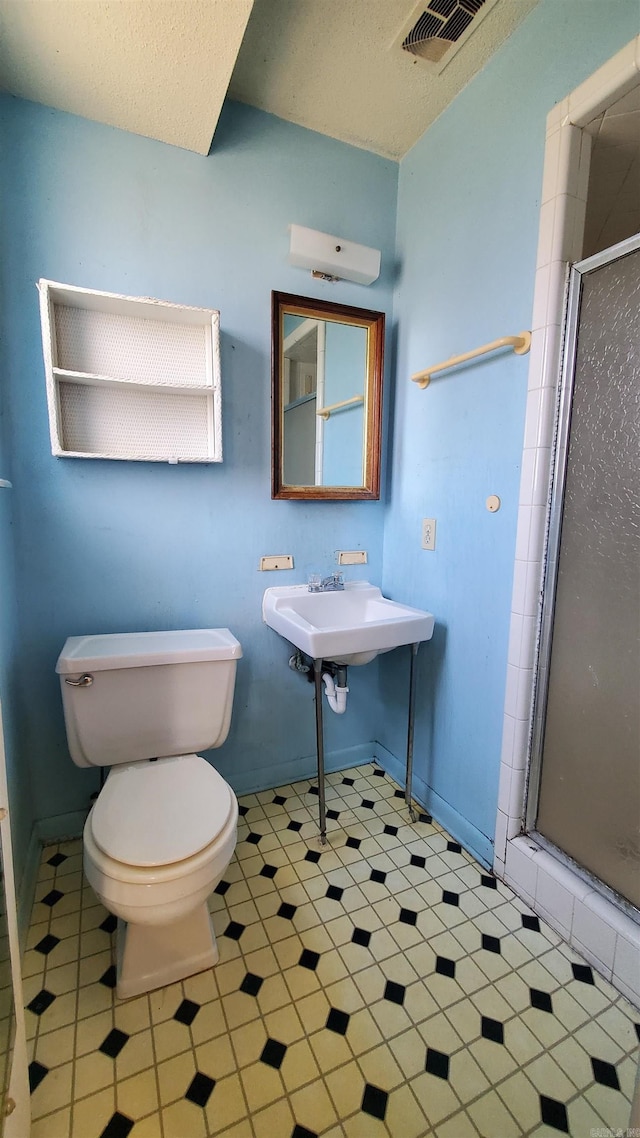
[(436, 32)]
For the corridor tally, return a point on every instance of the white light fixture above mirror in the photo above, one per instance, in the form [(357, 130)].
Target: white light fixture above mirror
[(333, 258)]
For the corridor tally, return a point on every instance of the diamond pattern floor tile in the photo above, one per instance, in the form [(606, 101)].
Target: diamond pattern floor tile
[(385, 985)]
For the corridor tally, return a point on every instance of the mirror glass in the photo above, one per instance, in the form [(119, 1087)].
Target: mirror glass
[(327, 362)]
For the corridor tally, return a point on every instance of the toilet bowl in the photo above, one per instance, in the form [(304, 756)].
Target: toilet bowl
[(156, 878), (164, 827)]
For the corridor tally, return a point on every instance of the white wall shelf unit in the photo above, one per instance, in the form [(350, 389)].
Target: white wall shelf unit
[(130, 377)]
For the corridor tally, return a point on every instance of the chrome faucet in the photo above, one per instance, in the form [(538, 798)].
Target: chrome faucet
[(332, 584)]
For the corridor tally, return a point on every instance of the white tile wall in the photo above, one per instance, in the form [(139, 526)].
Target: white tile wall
[(500, 845), (528, 642), (570, 153), (537, 530), (516, 793), (504, 788), (525, 690), (557, 117), (519, 599), (590, 928), (555, 898), (521, 866), (521, 743), (508, 737), (617, 76), (609, 939), (626, 964), (522, 636)]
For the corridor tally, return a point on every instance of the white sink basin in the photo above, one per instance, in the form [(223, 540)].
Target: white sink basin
[(350, 626)]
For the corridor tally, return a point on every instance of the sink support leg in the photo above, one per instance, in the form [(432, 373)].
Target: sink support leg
[(322, 811), (412, 715)]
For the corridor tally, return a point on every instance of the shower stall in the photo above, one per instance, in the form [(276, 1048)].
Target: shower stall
[(583, 799)]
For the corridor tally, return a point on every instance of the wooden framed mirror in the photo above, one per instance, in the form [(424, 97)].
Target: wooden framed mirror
[(326, 369)]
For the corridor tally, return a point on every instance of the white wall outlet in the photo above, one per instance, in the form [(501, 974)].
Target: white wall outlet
[(428, 533), (351, 556), (277, 561)]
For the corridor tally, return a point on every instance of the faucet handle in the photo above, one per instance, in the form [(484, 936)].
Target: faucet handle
[(331, 584)]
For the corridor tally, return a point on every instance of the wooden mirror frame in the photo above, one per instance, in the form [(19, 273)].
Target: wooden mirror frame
[(374, 322)]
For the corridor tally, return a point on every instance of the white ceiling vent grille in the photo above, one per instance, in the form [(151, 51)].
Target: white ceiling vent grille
[(439, 29)]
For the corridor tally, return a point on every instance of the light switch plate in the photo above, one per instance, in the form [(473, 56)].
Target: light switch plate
[(277, 561)]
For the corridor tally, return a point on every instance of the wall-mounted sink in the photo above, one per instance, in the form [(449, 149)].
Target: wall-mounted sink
[(350, 626)]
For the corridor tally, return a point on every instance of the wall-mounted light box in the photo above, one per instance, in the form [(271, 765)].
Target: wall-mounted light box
[(333, 258)]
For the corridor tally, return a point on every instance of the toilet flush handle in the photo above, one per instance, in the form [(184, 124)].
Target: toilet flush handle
[(85, 681)]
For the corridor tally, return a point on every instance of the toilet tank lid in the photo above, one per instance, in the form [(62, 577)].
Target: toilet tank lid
[(143, 649)]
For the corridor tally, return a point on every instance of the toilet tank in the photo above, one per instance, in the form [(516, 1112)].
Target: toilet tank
[(147, 695)]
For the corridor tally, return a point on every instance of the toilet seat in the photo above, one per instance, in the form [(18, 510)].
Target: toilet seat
[(159, 895), (152, 814), (121, 875)]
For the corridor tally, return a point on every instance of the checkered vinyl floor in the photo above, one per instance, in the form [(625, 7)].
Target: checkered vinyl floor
[(383, 985)]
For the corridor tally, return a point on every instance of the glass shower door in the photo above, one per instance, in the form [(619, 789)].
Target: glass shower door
[(587, 723)]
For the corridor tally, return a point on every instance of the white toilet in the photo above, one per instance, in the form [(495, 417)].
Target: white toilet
[(163, 829)]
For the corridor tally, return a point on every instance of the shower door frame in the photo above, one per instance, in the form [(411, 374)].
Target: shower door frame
[(552, 560), (589, 921)]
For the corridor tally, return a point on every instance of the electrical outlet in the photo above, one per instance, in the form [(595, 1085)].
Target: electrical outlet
[(428, 533)]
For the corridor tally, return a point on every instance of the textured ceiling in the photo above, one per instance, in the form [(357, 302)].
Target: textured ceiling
[(160, 68), (335, 66)]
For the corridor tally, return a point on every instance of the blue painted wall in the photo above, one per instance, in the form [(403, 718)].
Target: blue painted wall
[(468, 205), (117, 546)]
